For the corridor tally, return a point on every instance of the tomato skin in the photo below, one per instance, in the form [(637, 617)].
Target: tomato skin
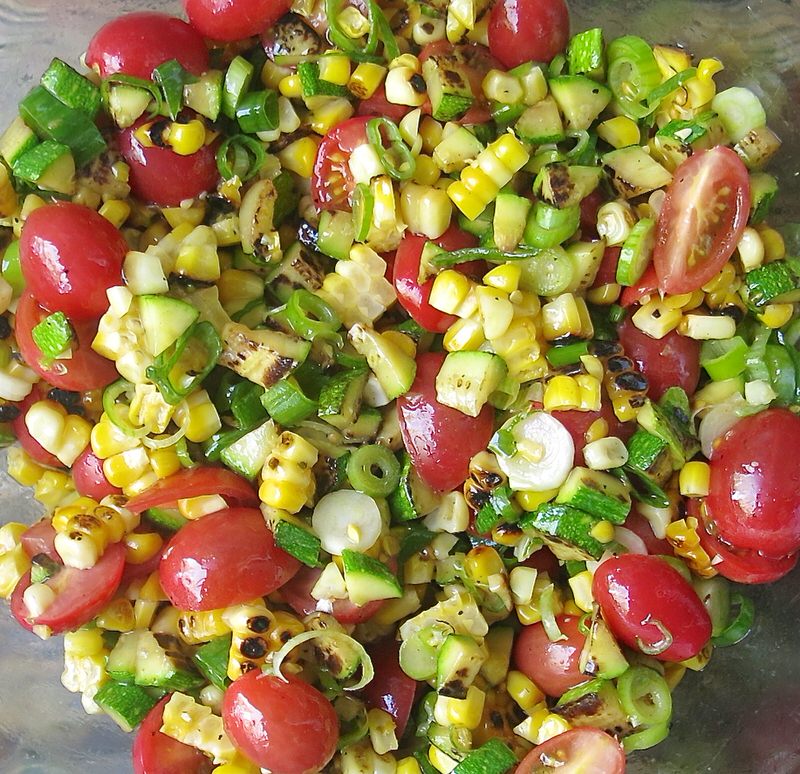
[(286, 726), (754, 498), (157, 753), (233, 19), (712, 212), (553, 666), (607, 273), (672, 361), (85, 370), (441, 440), (40, 538), (577, 424), (635, 589), (647, 285), (80, 594), (34, 449), (163, 177), (391, 690), (378, 105), (583, 750), (137, 43), (589, 206), (640, 526), (413, 297), (70, 255), (297, 594), (332, 184), (525, 30), (223, 559), (194, 482), (90, 481)]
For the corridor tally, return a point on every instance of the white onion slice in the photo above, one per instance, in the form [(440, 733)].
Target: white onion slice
[(629, 539), (347, 519)]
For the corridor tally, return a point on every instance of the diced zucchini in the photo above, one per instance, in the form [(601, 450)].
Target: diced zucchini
[(72, 88), (769, 282), (492, 757), (248, 455), (368, 579), (313, 86), (413, 498), (161, 664), (204, 96), (394, 368), (594, 704), (634, 172), (164, 320), (763, 189), (565, 186), (670, 420), (510, 216), (126, 704), (127, 104), (758, 147), (637, 250), (448, 86), (459, 662), (580, 99), (602, 656), (599, 494), (16, 140), (335, 234), (341, 396), (299, 269), (166, 519), (467, 379), (566, 530), (541, 123), (48, 165), (299, 542), (121, 665), (456, 150), (365, 428), (650, 456)]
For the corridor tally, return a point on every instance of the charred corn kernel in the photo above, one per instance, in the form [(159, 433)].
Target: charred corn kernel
[(520, 348), (776, 315), (655, 319), (561, 394), (440, 761), (481, 562), (53, 488), (523, 691), (401, 87), (334, 68), (366, 79), (465, 713), (22, 468), (450, 290), (195, 627), (199, 416), (426, 172), (464, 334), (530, 500), (287, 479), (186, 139), (615, 221), (581, 586), (695, 479), (564, 316), (107, 439), (164, 462), (619, 132), (603, 531), (684, 538), (774, 246), (285, 627), (140, 547), (504, 277), (117, 616), (496, 310), (115, 211), (190, 722), (330, 113), (751, 249), (300, 155), (250, 625), (408, 766), (502, 87), (197, 507)]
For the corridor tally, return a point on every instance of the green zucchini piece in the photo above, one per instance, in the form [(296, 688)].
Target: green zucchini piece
[(541, 123), (586, 54), (458, 664), (466, 380), (580, 99), (127, 705), (599, 494), (448, 86), (341, 396), (368, 579), (413, 498), (637, 250), (566, 530), (649, 455), (72, 88)]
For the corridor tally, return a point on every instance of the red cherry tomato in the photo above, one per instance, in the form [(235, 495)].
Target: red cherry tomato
[(164, 177), (579, 751), (40, 538), (80, 594), (34, 449), (413, 297), (134, 572), (223, 559), (525, 30), (234, 19), (90, 481), (70, 256), (754, 499), (85, 370), (441, 440), (646, 286), (704, 214), (136, 43), (297, 594), (589, 206), (544, 560), (607, 273), (578, 423), (673, 361), (332, 183), (157, 753), (286, 726), (640, 526), (195, 482), (378, 105), (645, 602), (391, 690), (553, 666)]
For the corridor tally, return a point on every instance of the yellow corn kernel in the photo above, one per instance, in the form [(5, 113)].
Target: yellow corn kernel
[(115, 211), (479, 183), (8, 196), (141, 484), (426, 171), (177, 216), (581, 585), (464, 334), (408, 766), (504, 277), (563, 316), (510, 151), (597, 430), (774, 246), (84, 643), (589, 387), (199, 416), (117, 616), (366, 79), (551, 725), (619, 132), (201, 626), (140, 547), (496, 310), (440, 761), (53, 488), (530, 500), (334, 68), (523, 691), (465, 713), (74, 439), (695, 479), (330, 113), (197, 507), (431, 132), (108, 440), (22, 468), (125, 468), (290, 86), (30, 203), (465, 200), (683, 537), (450, 290), (604, 295), (239, 765), (750, 249), (603, 531), (186, 139), (776, 315), (528, 614), (299, 157), (164, 462), (482, 562), (561, 394)]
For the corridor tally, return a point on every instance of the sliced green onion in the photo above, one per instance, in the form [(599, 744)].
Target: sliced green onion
[(547, 612), (397, 159), (160, 372), (258, 112), (417, 538), (246, 405), (584, 622), (311, 317), (446, 259), (237, 81), (182, 451), (240, 156), (287, 404), (657, 95), (367, 670), (373, 470), (567, 354), (660, 646), (756, 358), (725, 358), (420, 651), (165, 441), (363, 205), (53, 336), (549, 226), (645, 696), (137, 83), (646, 738), (740, 111), (715, 595), (171, 77), (383, 31), (740, 626), (118, 412), (633, 73), (582, 143), (782, 376), (10, 268), (379, 31)]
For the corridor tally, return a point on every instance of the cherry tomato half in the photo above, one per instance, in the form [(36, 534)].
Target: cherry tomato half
[(525, 30), (578, 423), (90, 481), (286, 726), (234, 19), (34, 449), (223, 559), (391, 690), (579, 751), (647, 603), (553, 666), (70, 255), (195, 482), (161, 176), (80, 594), (702, 219), (647, 285), (332, 183), (754, 499), (157, 753), (136, 43), (378, 105), (297, 594), (84, 370), (672, 361), (441, 440), (40, 538), (413, 297)]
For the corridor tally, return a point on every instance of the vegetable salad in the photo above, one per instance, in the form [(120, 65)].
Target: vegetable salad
[(406, 384)]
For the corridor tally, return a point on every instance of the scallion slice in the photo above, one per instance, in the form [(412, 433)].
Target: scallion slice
[(645, 696), (240, 156), (310, 317), (287, 404), (397, 159), (118, 412), (363, 205), (373, 470), (258, 112), (632, 74), (740, 626), (725, 358)]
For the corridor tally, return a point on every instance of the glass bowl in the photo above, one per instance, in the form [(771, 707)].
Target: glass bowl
[(739, 716)]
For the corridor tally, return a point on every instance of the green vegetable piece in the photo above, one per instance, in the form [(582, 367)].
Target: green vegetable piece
[(53, 335)]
